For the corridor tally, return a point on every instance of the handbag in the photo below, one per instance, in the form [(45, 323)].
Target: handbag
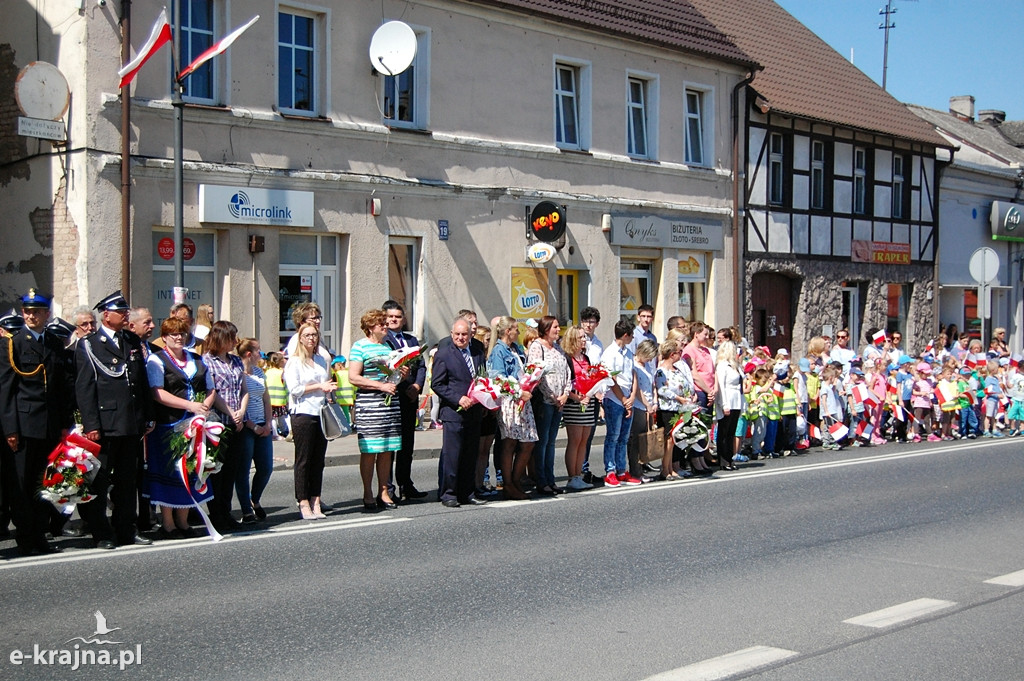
[(333, 421), (648, 445)]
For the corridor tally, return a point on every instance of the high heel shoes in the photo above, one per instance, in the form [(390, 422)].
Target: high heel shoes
[(387, 505)]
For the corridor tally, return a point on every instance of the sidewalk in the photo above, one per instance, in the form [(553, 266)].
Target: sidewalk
[(345, 451)]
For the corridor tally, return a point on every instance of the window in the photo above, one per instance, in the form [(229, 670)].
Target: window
[(309, 268), (636, 118), (692, 285), (200, 271), (406, 95), (817, 174), (897, 186), (196, 37), (695, 127), (776, 158), (567, 119), (634, 288), (296, 59), (860, 180), (403, 270)]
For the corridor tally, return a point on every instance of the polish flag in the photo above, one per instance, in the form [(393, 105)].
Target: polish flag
[(158, 38), (813, 431), (779, 390), (864, 430), (838, 431), (891, 387), (879, 337), (1015, 359), (899, 412), (945, 392), (217, 48), (864, 395)]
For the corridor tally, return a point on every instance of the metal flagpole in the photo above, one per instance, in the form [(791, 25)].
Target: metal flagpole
[(179, 124)]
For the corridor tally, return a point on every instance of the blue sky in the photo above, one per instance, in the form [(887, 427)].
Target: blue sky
[(939, 48)]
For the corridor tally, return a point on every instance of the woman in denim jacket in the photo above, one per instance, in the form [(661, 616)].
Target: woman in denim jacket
[(515, 422)]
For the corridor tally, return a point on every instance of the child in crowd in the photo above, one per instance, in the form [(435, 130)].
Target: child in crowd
[(802, 401), (966, 396), (875, 380), (993, 393), (921, 401), (857, 408), (274, 369), (1015, 391), (756, 403), (785, 438), (947, 387), (830, 404), (344, 394)]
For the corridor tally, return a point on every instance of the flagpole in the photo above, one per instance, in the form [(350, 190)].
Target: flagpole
[(179, 170)]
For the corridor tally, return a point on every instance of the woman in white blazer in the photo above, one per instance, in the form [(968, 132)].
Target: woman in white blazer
[(729, 402)]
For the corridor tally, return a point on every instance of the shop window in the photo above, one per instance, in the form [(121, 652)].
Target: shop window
[(308, 273), (634, 288), (200, 271), (692, 285), (403, 273), (407, 95)]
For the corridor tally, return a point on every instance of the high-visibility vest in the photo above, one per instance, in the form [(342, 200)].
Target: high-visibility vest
[(275, 386), (813, 385), (771, 405), (789, 406), (345, 394)]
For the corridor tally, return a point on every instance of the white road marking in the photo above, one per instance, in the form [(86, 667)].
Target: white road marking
[(725, 666), (898, 614), (1012, 579), (75, 556)]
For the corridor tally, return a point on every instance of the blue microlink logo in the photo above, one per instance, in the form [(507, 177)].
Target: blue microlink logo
[(241, 207)]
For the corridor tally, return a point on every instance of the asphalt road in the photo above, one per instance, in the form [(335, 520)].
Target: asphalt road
[(864, 564)]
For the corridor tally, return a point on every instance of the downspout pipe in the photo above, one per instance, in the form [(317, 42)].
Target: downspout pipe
[(737, 174), (126, 175)]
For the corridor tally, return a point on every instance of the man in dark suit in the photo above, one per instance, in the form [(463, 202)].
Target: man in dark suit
[(408, 400), (35, 381), (116, 407), (455, 367)]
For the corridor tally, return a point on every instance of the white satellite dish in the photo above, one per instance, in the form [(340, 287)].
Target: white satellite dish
[(41, 91), (392, 48)]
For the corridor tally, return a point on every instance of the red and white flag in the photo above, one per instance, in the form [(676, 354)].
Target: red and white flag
[(945, 392), (879, 337), (160, 35), (779, 390), (864, 430), (864, 395), (813, 431), (899, 412), (217, 48), (838, 431), (928, 348)]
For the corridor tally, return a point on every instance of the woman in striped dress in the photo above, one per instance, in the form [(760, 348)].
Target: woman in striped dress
[(378, 420)]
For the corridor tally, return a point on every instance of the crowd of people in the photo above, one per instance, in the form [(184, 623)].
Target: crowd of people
[(182, 418)]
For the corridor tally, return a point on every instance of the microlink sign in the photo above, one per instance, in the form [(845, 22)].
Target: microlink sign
[(255, 206), (656, 232)]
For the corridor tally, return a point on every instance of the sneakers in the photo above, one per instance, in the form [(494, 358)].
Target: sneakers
[(611, 480), (740, 458), (998, 433), (627, 479), (576, 484), (934, 438)]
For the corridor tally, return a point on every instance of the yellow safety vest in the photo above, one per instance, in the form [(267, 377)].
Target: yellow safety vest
[(275, 386), (345, 394)]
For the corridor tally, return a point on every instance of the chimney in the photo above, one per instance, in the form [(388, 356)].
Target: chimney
[(962, 106), (993, 117)]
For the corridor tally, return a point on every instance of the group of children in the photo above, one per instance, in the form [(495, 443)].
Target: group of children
[(792, 406)]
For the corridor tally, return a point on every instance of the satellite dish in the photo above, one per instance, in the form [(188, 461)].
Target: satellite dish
[(392, 48), (42, 91)]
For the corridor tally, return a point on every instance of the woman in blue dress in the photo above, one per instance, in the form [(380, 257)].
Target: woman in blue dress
[(181, 387)]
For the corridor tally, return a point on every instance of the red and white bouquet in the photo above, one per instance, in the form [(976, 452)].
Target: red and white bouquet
[(196, 449), (483, 392), (71, 467), (592, 381)]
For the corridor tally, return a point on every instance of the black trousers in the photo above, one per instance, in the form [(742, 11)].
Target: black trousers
[(724, 435), (460, 446), (119, 464), (222, 483), (310, 451), (403, 457), (21, 475)]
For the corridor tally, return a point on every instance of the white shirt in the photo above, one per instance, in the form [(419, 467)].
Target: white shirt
[(297, 375), (594, 350), (618, 359)]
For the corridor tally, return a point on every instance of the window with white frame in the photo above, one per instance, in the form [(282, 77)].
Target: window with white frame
[(695, 127), (406, 95), (297, 61), (897, 186), (197, 31), (776, 169), (817, 174), (860, 180), (572, 105), (636, 118)]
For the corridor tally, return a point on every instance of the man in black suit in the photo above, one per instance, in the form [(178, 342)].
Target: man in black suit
[(455, 367), (408, 400), (116, 407), (35, 382)]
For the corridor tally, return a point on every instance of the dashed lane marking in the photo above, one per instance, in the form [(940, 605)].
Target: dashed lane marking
[(897, 614), (724, 666), (1012, 579)]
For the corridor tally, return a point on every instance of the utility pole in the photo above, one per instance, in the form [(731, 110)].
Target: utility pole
[(887, 11)]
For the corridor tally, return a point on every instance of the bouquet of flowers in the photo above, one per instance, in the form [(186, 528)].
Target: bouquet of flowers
[(483, 392), (196, 449), (507, 387), (589, 383), (391, 364), (690, 428), (71, 467)]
